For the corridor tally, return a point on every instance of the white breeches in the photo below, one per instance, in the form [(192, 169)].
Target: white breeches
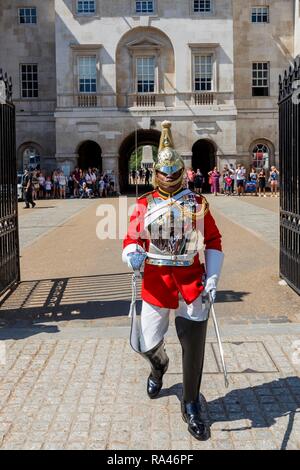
[(155, 320)]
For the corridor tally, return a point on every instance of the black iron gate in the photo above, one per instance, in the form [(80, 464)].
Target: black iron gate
[(289, 148), (9, 238)]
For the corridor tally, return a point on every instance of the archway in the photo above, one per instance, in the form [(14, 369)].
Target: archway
[(89, 155), (262, 154), (145, 63), (204, 158), (29, 156), (137, 139)]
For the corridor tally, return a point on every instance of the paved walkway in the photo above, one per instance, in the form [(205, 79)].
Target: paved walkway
[(85, 389), (71, 257), (69, 379), (46, 216), (259, 221)]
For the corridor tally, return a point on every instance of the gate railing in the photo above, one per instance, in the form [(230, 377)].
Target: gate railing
[(289, 150), (9, 237)]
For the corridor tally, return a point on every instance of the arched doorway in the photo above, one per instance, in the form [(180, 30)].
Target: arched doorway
[(139, 139), (89, 155), (29, 156), (204, 158), (262, 153)]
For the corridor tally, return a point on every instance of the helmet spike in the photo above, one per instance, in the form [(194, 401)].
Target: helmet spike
[(166, 139)]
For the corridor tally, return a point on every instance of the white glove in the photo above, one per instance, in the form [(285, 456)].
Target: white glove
[(129, 262), (213, 261), (130, 249), (211, 288)]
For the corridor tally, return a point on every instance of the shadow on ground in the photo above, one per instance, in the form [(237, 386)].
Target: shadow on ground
[(85, 298), (261, 404)]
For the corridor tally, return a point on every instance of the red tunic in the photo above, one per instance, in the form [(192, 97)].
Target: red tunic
[(162, 284)]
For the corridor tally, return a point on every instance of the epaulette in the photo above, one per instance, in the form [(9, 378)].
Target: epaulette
[(203, 198), (204, 202), (146, 194)]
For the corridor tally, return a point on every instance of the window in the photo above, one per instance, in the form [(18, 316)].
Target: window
[(202, 6), (27, 15), (260, 79), (86, 6), (203, 72), (145, 74), (31, 158), (87, 74), (261, 156), (144, 6), (29, 81), (260, 15)]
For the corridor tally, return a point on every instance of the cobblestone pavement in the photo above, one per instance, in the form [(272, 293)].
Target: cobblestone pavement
[(83, 388)]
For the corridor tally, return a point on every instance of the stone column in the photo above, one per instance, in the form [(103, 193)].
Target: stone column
[(66, 161), (187, 158)]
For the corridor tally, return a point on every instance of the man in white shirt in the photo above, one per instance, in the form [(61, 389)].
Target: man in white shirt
[(240, 173)]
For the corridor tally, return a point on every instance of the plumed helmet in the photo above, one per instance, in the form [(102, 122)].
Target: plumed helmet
[(168, 161)]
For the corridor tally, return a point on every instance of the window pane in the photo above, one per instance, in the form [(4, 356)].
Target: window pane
[(27, 15), (29, 80), (87, 72), (203, 73), (144, 6), (202, 6), (145, 72), (84, 6), (260, 79), (260, 15)]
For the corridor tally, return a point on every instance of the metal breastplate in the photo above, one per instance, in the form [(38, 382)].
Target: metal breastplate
[(174, 235)]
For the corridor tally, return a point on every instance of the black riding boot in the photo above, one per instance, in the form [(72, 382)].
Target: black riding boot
[(159, 364), (192, 336)]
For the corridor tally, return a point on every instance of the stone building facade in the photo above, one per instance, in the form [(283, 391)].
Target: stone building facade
[(24, 44), (109, 72)]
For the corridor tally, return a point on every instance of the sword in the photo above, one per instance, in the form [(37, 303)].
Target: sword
[(217, 331), (136, 260)]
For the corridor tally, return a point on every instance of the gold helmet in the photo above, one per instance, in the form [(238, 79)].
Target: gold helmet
[(168, 161)]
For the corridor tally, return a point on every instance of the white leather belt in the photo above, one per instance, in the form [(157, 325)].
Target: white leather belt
[(187, 257)]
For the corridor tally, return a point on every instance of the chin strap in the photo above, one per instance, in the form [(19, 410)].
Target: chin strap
[(168, 185)]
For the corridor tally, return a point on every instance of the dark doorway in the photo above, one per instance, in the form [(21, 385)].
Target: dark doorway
[(135, 140), (204, 158), (89, 155)]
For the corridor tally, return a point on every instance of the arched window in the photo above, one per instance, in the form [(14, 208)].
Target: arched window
[(31, 158), (261, 156)]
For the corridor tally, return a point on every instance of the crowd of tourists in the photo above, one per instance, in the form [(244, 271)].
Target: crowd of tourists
[(78, 184), (235, 181), (92, 182)]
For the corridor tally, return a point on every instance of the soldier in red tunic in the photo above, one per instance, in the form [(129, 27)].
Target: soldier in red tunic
[(168, 227)]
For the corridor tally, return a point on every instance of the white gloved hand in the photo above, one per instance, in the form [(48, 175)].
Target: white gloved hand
[(130, 250), (129, 261), (211, 287), (213, 262)]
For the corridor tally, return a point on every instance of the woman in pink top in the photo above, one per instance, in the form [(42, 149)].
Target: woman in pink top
[(214, 176)]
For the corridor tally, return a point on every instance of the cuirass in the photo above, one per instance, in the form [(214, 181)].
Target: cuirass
[(175, 235)]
